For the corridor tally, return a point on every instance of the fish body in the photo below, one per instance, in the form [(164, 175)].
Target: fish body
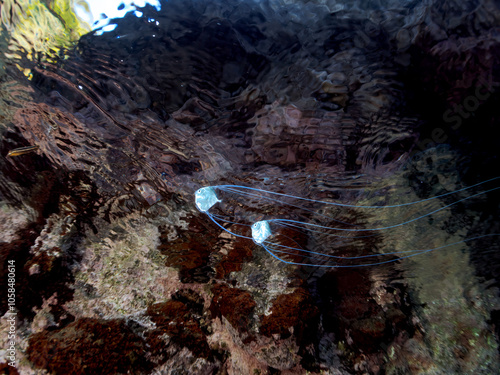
[(22, 150)]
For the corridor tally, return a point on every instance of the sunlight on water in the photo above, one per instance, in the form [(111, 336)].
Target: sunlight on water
[(100, 12)]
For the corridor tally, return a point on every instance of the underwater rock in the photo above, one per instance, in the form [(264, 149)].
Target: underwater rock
[(240, 252), (88, 346), (190, 252), (294, 311), (236, 305), (325, 100)]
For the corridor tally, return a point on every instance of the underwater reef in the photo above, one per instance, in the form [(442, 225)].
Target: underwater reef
[(107, 136)]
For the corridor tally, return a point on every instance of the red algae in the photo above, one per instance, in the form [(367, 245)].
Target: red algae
[(295, 310), (89, 346), (234, 304), (190, 252), (176, 320), (240, 252), (8, 370)]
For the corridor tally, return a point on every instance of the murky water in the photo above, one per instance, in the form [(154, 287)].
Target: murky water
[(362, 103)]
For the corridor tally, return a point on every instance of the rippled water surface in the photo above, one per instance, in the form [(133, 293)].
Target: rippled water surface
[(107, 134)]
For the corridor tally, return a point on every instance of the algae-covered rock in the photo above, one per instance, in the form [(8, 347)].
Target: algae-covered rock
[(311, 109)]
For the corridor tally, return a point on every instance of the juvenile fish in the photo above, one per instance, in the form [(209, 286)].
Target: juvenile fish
[(22, 150)]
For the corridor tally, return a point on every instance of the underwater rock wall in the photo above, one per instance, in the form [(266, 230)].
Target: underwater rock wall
[(362, 102)]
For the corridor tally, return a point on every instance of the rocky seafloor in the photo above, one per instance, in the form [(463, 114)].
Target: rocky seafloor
[(366, 103)]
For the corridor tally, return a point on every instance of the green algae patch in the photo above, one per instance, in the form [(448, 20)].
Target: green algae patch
[(452, 307), (123, 273)]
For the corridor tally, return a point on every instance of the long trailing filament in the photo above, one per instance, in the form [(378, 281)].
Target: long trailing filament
[(269, 233)]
